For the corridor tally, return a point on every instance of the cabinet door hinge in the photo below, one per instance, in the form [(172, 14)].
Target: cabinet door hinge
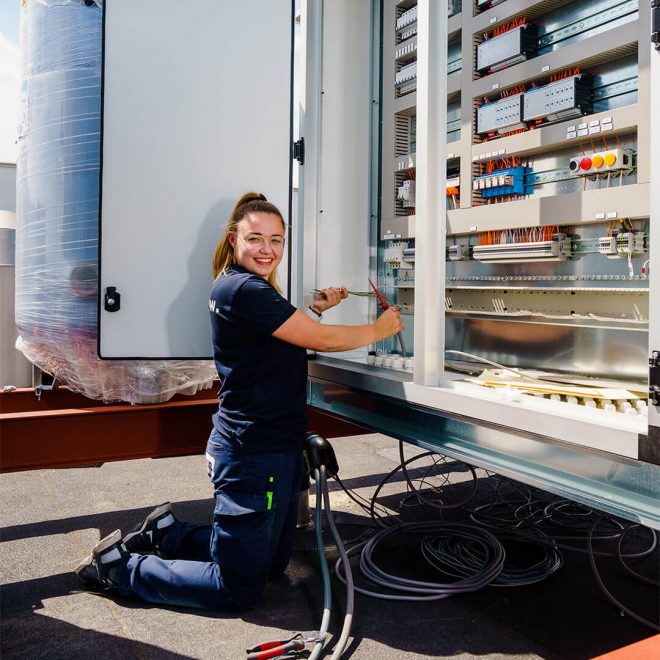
[(299, 150)]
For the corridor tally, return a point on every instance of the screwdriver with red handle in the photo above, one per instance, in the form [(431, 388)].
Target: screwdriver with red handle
[(385, 305)]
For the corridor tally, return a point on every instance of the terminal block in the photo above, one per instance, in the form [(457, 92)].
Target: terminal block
[(504, 183), (570, 97), (406, 194), (619, 246), (406, 73), (407, 18), (511, 47), (501, 116), (397, 255), (457, 252), (558, 249), (602, 162), (406, 78)]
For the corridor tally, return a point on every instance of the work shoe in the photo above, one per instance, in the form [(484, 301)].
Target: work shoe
[(148, 535), (107, 554)]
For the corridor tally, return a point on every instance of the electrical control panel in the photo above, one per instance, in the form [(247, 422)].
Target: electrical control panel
[(547, 185)]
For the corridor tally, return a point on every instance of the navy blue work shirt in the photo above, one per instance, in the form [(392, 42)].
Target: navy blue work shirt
[(263, 379)]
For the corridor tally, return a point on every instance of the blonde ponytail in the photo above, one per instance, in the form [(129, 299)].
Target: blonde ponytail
[(250, 202)]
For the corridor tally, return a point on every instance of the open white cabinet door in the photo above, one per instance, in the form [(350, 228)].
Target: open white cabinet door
[(196, 111)]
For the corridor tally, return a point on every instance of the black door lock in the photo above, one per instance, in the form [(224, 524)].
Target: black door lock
[(112, 299)]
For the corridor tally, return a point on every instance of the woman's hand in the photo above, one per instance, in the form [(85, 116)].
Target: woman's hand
[(389, 323), (327, 298)]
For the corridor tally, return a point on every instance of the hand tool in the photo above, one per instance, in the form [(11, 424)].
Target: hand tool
[(278, 647), (384, 304)]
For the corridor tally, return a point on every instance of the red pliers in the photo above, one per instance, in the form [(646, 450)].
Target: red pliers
[(384, 304), (279, 647)]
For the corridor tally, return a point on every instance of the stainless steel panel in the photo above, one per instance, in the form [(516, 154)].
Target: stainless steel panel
[(553, 347), (620, 486)]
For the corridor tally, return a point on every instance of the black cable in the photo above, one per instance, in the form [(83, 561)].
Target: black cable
[(366, 506), (419, 590), (601, 584), (524, 515), (621, 556), (468, 558), (390, 474), (430, 503)]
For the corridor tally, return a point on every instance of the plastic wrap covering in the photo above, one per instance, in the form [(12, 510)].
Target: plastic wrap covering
[(57, 212)]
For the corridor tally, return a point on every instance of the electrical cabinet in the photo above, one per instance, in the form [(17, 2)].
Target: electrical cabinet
[(510, 216), (488, 166)]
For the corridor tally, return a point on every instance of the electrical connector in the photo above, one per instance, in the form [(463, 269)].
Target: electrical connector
[(506, 49), (622, 244), (501, 116), (504, 183), (396, 255), (457, 252), (558, 249), (406, 193), (556, 101)]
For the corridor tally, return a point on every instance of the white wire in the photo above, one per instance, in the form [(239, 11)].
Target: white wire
[(517, 373)]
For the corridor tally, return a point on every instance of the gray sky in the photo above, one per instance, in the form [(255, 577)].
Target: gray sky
[(9, 29)]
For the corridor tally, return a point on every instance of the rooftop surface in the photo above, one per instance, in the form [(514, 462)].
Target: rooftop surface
[(51, 518)]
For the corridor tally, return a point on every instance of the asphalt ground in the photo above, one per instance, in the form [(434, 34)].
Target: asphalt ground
[(51, 518)]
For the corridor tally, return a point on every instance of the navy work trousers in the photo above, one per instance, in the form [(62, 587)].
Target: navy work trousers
[(225, 566)]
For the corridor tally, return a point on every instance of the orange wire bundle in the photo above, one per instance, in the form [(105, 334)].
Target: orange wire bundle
[(509, 26)]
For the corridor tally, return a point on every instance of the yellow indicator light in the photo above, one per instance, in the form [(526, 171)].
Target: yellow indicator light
[(610, 159), (597, 161)]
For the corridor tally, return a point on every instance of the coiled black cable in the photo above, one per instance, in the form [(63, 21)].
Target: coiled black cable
[(422, 590), (456, 557)]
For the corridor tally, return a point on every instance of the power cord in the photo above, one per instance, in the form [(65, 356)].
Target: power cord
[(472, 554), (601, 584)]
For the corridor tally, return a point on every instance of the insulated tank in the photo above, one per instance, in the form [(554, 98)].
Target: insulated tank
[(57, 205)]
